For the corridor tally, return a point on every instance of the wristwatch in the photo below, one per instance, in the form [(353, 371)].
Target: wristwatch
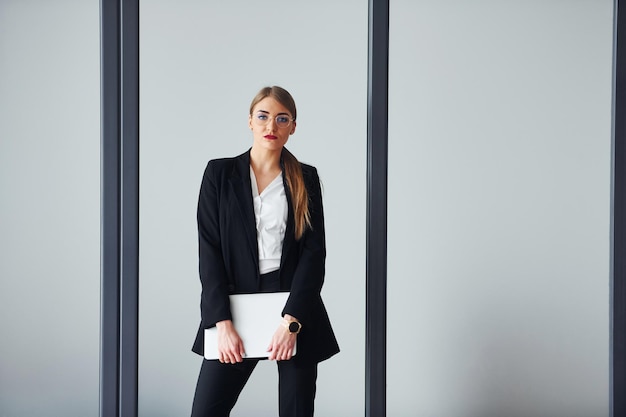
[(293, 326)]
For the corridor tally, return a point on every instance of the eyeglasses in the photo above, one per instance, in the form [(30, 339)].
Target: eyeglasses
[(262, 119)]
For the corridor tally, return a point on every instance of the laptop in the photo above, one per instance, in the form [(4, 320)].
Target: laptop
[(256, 318)]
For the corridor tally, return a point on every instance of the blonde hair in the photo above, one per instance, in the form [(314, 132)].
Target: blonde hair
[(293, 169)]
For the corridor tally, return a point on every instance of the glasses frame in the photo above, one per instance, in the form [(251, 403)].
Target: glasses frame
[(259, 122)]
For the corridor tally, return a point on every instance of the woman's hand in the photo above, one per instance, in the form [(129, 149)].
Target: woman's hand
[(229, 344), (281, 347)]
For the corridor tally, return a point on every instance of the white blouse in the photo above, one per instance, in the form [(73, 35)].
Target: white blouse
[(270, 212)]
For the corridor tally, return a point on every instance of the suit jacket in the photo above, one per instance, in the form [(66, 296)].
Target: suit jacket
[(229, 260)]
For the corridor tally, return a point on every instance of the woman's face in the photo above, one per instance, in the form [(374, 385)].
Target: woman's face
[(271, 124)]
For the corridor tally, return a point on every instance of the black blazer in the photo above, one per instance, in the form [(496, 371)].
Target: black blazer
[(229, 259)]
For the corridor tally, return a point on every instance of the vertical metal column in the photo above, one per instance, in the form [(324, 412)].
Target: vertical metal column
[(618, 219), (376, 260), (110, 203), (129, 286), (119, 43)]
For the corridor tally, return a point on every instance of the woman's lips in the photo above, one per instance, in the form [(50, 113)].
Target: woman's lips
[(270, 137)]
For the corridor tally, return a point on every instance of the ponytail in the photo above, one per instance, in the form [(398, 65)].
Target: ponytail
[(299, 194)]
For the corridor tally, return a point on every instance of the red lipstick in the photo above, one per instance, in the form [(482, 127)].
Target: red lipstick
[(270, 137)]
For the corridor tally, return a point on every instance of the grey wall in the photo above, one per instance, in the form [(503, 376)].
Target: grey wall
[(499, 183), (197, 80), (49, 208)]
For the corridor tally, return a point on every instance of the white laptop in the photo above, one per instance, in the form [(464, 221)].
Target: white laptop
[(256, 318)]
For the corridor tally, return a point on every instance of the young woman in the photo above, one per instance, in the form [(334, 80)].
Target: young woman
[(261, 229)]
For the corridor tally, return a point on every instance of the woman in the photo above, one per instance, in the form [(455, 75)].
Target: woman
[(261, 229)]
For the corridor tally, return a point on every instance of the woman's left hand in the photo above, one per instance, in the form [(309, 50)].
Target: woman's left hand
[(281, 347)]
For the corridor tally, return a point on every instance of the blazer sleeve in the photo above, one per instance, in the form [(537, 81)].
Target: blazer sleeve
[(214, 304), (308, 278)]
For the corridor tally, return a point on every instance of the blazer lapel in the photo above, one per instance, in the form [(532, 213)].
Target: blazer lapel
[(242, 188)]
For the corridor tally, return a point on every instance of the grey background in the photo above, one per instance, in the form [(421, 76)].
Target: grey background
[(499, 208), (499, 197), (49, 208)]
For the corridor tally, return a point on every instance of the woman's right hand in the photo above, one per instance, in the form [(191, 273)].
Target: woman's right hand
[(229, 344)]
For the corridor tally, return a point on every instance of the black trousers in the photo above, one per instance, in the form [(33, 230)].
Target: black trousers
[(219, 384)]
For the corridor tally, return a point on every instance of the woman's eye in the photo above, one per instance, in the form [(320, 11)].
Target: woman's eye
[(261, 117), (282, 119)]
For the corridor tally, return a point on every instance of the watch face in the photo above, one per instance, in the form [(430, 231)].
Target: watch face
[(294, 327)]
